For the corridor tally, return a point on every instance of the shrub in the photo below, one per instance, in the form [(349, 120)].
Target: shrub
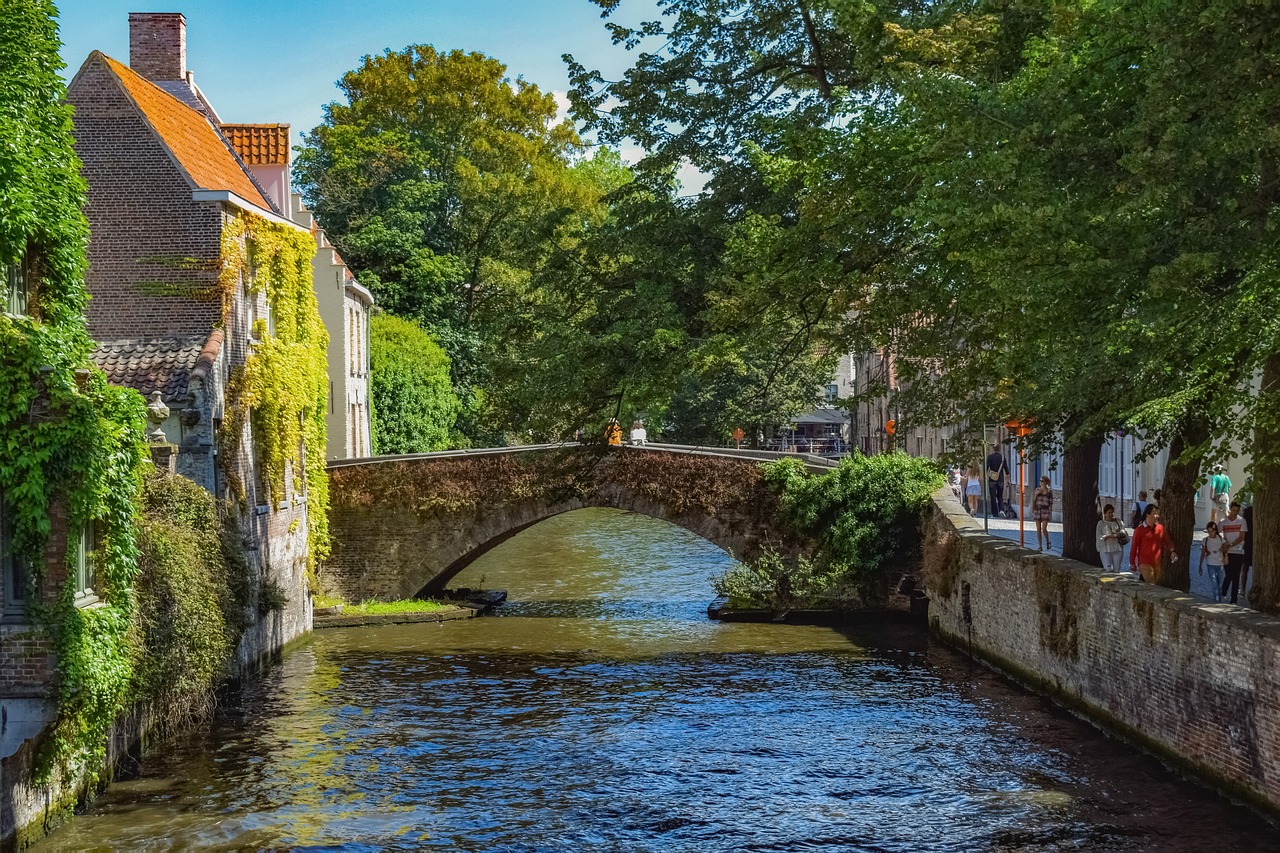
[(190, 599), (413, 405), (865, 515)]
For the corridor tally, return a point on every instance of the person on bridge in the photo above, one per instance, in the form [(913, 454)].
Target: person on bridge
[(1150, 540), (613, 433), (639, 437)]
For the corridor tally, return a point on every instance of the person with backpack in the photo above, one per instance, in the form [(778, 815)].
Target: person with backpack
[(1139, 509)]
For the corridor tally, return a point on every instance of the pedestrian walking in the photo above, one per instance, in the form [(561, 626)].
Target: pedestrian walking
[(1139, 509), (1042, 512), (1219, 488), (1150, 541), (973, 487), (1234, 529), (1111, 538), (997, 475), (1213, 551)]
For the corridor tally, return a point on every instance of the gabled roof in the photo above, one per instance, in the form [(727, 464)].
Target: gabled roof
[(259, 144), (196, 146)]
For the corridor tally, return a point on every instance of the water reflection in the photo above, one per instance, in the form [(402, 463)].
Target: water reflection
[(601, 710)]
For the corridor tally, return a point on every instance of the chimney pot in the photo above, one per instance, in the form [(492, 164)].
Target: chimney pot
[(158, 45)]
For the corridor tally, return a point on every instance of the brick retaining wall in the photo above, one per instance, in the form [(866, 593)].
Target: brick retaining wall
[(1197, 683)]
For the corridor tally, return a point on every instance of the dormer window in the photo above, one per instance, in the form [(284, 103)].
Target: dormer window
[(15, 285)]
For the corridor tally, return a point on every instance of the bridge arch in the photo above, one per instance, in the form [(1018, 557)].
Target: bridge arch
[(402, 526)]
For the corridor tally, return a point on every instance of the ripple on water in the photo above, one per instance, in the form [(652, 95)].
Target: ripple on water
[(603, 711)]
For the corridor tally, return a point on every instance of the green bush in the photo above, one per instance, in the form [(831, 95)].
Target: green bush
[(413, 404), (865, 515), (190, 598)]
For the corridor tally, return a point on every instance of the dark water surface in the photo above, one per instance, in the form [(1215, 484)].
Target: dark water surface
[(601, 710)]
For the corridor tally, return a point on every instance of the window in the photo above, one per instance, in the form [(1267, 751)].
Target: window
[(14, 575), (15, 288), (84, 561), (831, 393)]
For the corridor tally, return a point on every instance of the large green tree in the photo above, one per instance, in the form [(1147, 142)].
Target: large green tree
[(444, 183), (1052, 212)]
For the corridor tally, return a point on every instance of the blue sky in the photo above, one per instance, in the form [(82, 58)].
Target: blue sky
[(269, 61)]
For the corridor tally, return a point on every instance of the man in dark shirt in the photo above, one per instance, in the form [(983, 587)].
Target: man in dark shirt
[(997, 475)]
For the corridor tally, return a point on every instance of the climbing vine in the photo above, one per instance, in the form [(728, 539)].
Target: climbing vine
[(70, 444), (283, 386)]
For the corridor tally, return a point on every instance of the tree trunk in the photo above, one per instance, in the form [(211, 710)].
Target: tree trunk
[(1178, 506), (1266, 493), (1079, 500)]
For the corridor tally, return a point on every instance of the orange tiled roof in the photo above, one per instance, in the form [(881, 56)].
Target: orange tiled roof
[(259, 144), (197, 147)]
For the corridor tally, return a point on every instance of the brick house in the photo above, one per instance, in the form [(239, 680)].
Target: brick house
[(164, 186), (344, 303)]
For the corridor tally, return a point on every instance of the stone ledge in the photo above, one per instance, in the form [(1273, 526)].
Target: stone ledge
[(393, 618), (970, 530)]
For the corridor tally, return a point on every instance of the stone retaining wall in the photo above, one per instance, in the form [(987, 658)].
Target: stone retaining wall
[(1197, 683)]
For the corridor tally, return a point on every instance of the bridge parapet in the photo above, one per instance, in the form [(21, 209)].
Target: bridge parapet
[(404, 526)]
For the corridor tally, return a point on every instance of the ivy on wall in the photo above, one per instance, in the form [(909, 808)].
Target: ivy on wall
[(67, 438), (283, 386)]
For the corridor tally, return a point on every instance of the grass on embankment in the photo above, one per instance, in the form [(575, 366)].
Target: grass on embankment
[(377, 608)]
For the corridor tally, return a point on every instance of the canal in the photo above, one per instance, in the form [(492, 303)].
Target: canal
[(601, 710)]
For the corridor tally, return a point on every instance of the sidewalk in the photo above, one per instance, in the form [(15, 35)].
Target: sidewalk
[(1007, 528)]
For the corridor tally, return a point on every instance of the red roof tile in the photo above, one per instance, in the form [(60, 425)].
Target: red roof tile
[(197, 147), (151, 364), (259, 144)]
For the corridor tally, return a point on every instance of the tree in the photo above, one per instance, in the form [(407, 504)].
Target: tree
[(412, 403), (443, 184)]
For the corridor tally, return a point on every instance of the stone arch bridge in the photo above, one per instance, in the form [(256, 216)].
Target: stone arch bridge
[(403, 526)]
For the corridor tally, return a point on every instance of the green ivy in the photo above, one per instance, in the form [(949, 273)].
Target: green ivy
[(67, 438), (283, 387)]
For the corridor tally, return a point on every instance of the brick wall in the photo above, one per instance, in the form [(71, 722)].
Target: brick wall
[(28, 666), (153, 252), (158, 45), (1196, 682)]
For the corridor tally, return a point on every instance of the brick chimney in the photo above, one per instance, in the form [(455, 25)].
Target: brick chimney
[(158, 45)]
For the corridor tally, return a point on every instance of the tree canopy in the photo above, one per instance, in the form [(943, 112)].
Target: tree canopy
[(1056, 213), (413, 404)]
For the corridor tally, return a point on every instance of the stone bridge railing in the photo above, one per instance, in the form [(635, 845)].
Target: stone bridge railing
[(405, 525)]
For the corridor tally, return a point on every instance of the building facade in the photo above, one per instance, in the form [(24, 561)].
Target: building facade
[(168, 198), (345, 307)]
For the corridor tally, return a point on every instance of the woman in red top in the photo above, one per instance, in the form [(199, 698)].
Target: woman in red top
[(1149, 542)]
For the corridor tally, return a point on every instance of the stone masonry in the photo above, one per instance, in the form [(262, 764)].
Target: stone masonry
[(405, 526), (1195, 682)]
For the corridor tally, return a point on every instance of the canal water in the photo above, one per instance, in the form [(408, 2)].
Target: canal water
[(602, 711)]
